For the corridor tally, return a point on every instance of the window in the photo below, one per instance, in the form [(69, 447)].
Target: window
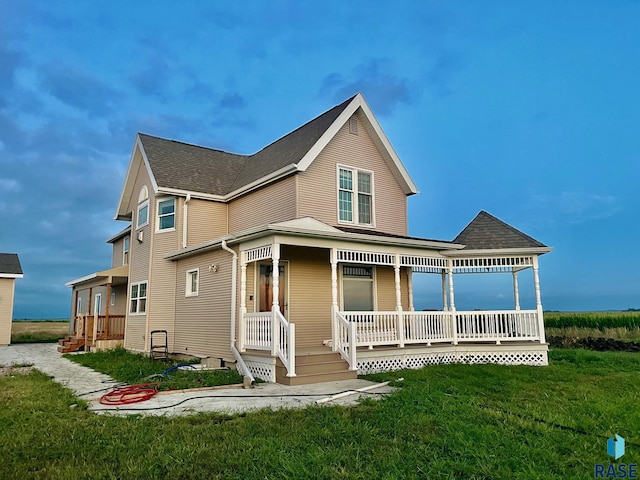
[(166, 214), (79, 306), (113, 298), (125, 251), (143, 207), (193, 280), (357, 288), (138, 298), (355, 196), (143, 214)]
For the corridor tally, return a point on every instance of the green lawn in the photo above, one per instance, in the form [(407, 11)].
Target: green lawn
[(446, 421), (134, 368)]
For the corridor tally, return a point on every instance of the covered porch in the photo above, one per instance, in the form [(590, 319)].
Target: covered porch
[(372, 339), (99, 311)]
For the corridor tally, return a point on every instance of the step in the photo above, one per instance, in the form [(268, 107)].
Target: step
[(317, 377), (303, 359)]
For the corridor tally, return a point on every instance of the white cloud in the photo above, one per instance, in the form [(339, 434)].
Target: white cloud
[(571, 207)]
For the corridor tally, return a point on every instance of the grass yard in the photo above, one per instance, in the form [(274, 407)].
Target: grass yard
[(446, 421), (135, 368), (44, 331)]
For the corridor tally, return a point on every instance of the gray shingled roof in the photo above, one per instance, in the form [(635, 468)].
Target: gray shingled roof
[(487, 232), (200, 169), (10, 263), (363, 231)]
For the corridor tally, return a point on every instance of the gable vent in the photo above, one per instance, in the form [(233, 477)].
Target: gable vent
[(353, 125)]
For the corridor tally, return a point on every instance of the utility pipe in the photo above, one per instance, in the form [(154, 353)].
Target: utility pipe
[(234, 276), (184, 220)]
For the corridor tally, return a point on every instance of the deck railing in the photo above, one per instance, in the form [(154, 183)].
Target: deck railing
[(400, 328), (271, 332), (346, 339), (100, 327)]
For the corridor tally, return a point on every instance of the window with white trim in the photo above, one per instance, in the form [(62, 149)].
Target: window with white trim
[(125, 251), (355, 196), (166, 214), (138, 304), (113, 299), (357, 288), (142, 218), (193, 282)]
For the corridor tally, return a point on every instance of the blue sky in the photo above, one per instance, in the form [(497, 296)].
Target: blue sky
[(529, 110)]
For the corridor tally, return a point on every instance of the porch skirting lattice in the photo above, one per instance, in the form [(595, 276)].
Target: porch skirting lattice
[(374, 361)]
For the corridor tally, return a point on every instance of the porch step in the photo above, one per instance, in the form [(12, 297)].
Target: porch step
[(316, 368), (70, 344)]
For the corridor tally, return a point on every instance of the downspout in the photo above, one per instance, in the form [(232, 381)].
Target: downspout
[(234, 279), (184, 220)]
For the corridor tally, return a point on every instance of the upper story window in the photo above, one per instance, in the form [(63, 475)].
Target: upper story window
[(166, 214), (355, 196), (142, 218), (125, 251)]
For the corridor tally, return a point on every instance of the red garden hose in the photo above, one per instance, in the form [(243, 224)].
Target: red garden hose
[(130, 394)]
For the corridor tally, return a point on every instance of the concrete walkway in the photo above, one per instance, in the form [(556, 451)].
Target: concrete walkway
[(90, 385)]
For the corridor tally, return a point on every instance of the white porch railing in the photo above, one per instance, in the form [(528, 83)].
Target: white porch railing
[(257, 330), (271, 332), (497, 326), (368, 329)]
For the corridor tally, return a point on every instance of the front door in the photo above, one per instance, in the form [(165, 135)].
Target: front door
[(265, 288), (97, 304)]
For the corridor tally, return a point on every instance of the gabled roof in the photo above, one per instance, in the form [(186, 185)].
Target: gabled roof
[(10, 265), (180, 168), (488, 232), (122, 233)]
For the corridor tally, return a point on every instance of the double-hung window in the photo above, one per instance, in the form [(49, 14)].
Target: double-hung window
[(193, 280), (138, 303), (357, 288), (143, 214), (166, 214), (355, 196)]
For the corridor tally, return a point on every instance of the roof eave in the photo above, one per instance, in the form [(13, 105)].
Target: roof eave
[(11, 275), (498, 251)]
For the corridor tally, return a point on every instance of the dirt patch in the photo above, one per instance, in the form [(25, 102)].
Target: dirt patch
[(10, 371), (594, 343)]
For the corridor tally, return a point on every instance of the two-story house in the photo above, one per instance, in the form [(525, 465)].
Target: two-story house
[(296, 263)]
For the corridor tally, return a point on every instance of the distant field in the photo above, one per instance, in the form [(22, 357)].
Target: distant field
[(24, 331), (596, 320)]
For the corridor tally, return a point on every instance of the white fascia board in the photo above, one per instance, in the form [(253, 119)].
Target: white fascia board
[(81, 280), (278, 174), (358, 102), (127, 188), (183, 193), (11, 275), (498, 251), (267, 230), (119, 235)]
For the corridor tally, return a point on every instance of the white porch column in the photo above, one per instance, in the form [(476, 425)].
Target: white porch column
[(444, 290), (536, 284), (516, 291), (334, 298), (452, 303), (400, 321), (275, 290), (410, 286), (243, 301)]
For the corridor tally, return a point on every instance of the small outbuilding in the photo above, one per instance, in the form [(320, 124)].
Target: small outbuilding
[(10, 269)]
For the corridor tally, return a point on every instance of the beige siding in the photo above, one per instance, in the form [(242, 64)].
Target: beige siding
[(309, 294), (117, 255), (161, 303), (206, 220), (317, 187), (6, 309), (386, 289), (202, 325), (139, 259), (120, 308), (270, 204)]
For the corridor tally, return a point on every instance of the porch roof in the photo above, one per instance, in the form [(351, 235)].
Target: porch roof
[(310, 227), (117, 272)]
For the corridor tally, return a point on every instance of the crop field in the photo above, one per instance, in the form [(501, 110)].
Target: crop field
[(629, 320)]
